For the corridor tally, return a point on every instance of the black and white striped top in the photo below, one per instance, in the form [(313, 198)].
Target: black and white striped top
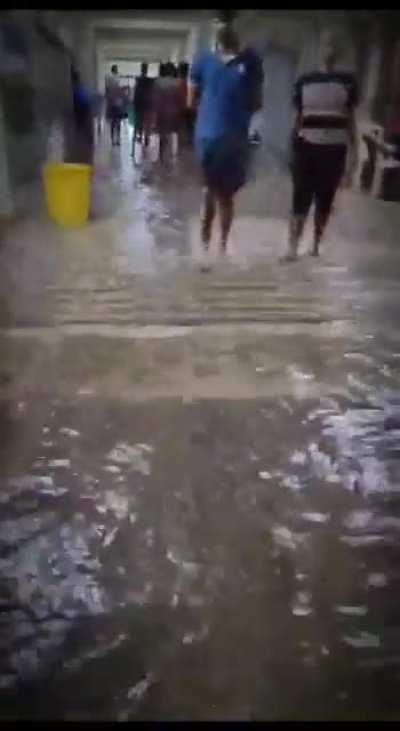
[(325, 100)]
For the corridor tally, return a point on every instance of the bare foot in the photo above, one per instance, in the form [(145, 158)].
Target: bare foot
[(288, 258), (205, 264)]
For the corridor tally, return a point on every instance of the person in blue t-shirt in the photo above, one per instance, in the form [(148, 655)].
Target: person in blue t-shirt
[(228, 84)]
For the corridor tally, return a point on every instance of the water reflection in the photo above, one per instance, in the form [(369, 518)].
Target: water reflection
[(305, 548), (212, 558)]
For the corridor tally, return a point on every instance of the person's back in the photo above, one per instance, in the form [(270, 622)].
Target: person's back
[(229, 84), (143, 105), (168, 100), (143, 90), (226, 83), (115, 104), (114, 93), (82, 143)]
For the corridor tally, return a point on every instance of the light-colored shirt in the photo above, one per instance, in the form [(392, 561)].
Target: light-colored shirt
[(325, 100), (114, 94)]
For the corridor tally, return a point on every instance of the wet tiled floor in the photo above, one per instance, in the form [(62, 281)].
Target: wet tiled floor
[(199, 473)]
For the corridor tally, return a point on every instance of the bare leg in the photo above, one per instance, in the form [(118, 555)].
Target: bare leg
[(323, 209), (226, 213), (319, 228), (296, 227), (146, 132), (162, 148), (207, 217), (139, 126)]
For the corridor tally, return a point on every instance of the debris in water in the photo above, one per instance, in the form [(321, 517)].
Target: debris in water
[(193, 637), (265, 475), (118, 503), (298, 457), (189, 567), (351, 611), (132, 456), (364, 639), (292, 482), (137, 691), (285, 538), (368, 540), (145, 447), (109, 538), (316, 517), (60, 464), (300, 375), (376, 581), (300, 610), (113, 469), (67, 432), (358, 519)]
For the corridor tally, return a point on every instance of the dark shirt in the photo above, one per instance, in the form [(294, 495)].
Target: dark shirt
[(143, 92)]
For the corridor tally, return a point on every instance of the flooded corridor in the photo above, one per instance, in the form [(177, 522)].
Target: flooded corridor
[(200, 509)]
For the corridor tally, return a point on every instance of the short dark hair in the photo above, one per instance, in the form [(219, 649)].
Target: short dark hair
[(183, 70), (167, 69), (144, 68), (228, 39), (114, 68), (75, 77), (170, 69)]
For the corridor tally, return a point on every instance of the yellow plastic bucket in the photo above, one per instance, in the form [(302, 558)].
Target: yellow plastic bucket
[(68, 192)]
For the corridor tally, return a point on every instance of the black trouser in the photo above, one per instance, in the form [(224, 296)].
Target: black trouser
[(317, 171), (141, 122)]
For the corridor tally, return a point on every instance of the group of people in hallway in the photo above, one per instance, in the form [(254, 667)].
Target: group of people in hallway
[(157, 105), (217, 101)]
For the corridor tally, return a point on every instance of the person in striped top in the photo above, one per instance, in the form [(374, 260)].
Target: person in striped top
[(324, 139)]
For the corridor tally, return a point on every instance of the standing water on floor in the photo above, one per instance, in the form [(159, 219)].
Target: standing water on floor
[(200, 509), (214, 559)]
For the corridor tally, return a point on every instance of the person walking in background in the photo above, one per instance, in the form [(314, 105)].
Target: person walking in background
[(186, 114), (169, 105), (324, 138), (229, 84), (143, 106), (115, 104), (98, 106), (82, 141)]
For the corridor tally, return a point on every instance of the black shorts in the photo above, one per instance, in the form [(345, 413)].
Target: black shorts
[(115, 113), (317, 171), (224, 162)]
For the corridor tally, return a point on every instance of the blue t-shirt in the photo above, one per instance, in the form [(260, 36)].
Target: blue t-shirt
[(227, 93)]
